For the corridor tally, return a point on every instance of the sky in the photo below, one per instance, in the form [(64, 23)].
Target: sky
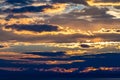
[(61, 29), (59, 25)]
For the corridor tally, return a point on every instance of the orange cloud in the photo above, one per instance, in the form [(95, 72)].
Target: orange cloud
[(17, 21), (92, 69), (56, 8), (16, 56), (102, 3)]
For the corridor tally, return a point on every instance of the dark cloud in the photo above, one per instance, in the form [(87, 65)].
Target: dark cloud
[(16, 16), (72, 1), (28, 9), (85, 45), (1, 46), (49, 54), (19, 1), (34, 28)]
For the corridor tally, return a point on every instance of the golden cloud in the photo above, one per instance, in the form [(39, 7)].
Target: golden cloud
[(103, 3), (56, 8), (17, 56), (92, 69), (19, 21), (70, 49)]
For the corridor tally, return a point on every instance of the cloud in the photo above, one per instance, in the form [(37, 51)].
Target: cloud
[(85, 46), (49, 62), (28, 9), (106, 34), (72, 1), (34, 28), (17, 56), (19, 21), (1, 46), (95, 13), (58, 70), (114, 1), (19, 1), (90, 14), (93, 69), (58, 34), (114, 12), (55, 9), (103, 2), (51, 49), (26, 58), (48, 54), (15, 16), (14, 69), (53, 33)]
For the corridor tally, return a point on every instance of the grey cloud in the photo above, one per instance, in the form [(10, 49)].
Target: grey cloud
[(108, 36), (9, 16), (72, 1)]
